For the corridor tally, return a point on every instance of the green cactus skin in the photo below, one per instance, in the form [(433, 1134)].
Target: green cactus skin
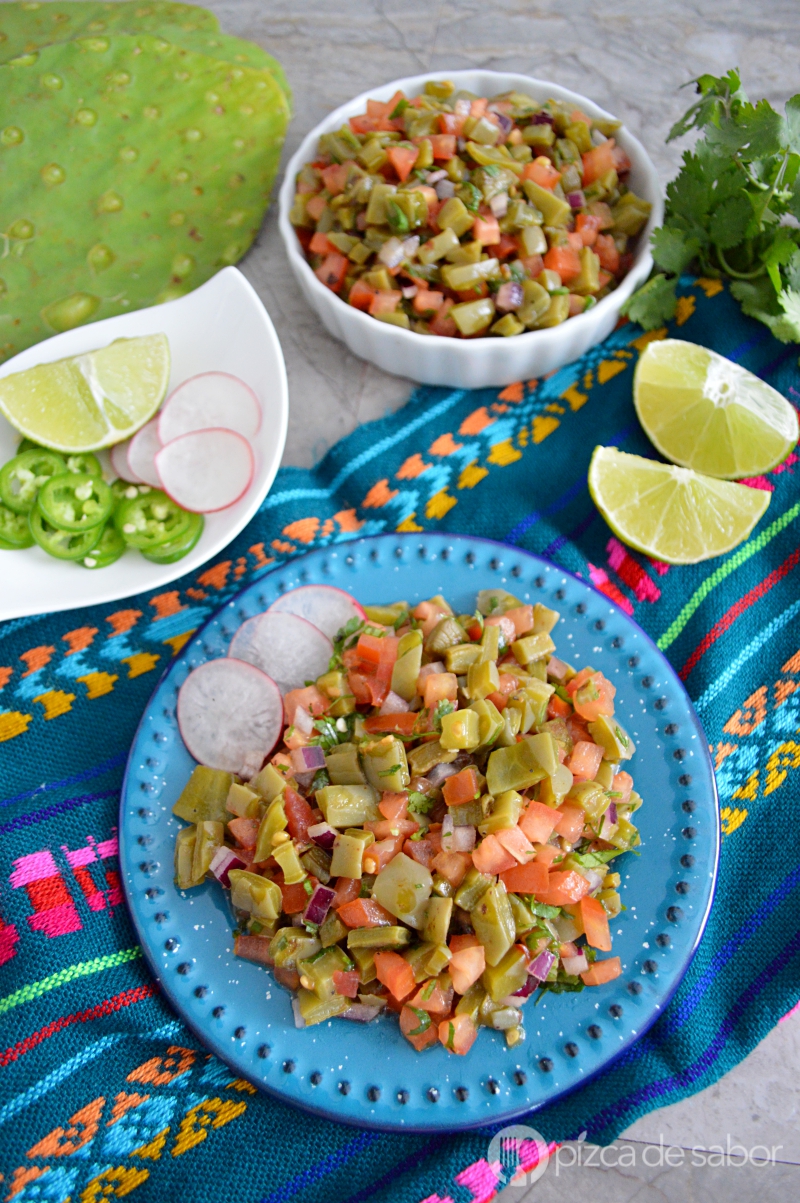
[(28, 26), (130, 182)]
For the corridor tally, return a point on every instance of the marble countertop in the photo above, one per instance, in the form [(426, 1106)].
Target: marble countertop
[(631, 57)]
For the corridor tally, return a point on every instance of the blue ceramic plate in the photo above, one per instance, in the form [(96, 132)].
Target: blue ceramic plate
[(369, 1075)]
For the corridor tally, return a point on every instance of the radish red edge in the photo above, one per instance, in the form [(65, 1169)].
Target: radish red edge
[(229, 711), (169, 428), (326, 607)]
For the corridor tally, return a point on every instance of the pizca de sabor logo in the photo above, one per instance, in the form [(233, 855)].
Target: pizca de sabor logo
[(518, 1154)]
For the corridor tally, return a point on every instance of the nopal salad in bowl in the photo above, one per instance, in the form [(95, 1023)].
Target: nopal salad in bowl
[(488, 226)]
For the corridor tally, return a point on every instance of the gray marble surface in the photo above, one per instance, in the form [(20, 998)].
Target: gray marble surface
[(631, 57)]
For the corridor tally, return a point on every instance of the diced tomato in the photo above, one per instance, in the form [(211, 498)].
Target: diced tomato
[(574, 240), (458, 1034), (499, 700), (431, 997), (602, 971), (564, 887), (506, 625), (606, 250), (506, 247), (538, 822), (402, 158), (515, 841), (335, 177), (253, 948), (558, 708), (395, 973), (344, 891), (622, 784), (422, 851), (315, 207), (570, 821), (621, 160), (548, 854), (440, 687), (374, 649), (361, 295), (384, 301), (311, 699), (442, 324), (474, 293), (384, 829), (461, 787), (491, 857), (295, 898), (303, 237), (459, 942), (363, 124), (588, 226), (604, 277), (397, 724), (299, 815), (531, 878), (346, 982), (595, 924), (585, 760), (452, 866), (522, 618), (598, 161), (478, 107), (427, 614), (364, 912), (244, 831), (564, 260), (332, 271), (360, 688), (418, 1029), (452, 123), (542, 172), (427, 302), (394, 806), (319, 245), (592, 696), (467, 965), (444, 146), (486, 230), (381, 852)]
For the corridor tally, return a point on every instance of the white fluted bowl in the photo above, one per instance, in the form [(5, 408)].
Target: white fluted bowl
[(479, 362)]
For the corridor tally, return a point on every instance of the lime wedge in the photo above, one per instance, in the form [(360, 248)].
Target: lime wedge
[(92, 400), (704, 412), (671, 513)]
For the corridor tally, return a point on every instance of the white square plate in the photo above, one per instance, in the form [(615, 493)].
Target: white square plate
[(221, 326)]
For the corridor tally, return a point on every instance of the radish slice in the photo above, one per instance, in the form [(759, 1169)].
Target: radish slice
[(229, 714), (142, 451), (326, 607), (206, 470), (119, 462), (291, 650), (208, 401)]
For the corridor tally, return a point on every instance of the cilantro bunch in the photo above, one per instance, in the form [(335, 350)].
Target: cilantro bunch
[(732, 209)]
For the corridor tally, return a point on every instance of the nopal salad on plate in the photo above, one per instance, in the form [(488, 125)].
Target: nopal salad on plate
[(434, 830), (460, 215)]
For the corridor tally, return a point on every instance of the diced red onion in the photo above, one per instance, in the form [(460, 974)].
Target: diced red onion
[(463, 838), (461, 143), (318, 905), (361, 221), (576, 200), (303, 721), (428, 670), (448, 827), (542, 965), (420, 785), (609, 822), (223, 860), (594, 878), (308, 759), (394, 704), (542, 119), (598, 138), (391, 253), (509, 296), (411, 246), (557, 669), (499, 204), (440, 773), (410, 292), (525, 991), (575, 965), (504, 121), (611, 813), (462, 107), (322, 835), (433, 177), (361, 1013), (445, 189), (297, 921)]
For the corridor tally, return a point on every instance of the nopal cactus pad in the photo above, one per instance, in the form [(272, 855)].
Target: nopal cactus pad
[(27, 26), (146, 170)]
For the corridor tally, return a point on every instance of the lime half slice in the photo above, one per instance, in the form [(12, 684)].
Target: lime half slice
[(92, 400), (703, 412), (671, 513)]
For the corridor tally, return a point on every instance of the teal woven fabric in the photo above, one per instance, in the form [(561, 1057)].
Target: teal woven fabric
[(104, 1092)]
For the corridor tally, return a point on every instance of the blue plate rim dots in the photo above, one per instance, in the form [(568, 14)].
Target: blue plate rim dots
[(368, 1075)]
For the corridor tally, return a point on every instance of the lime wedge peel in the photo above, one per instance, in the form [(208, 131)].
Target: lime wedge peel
[(92, 400), (704, 412), (671, 513)]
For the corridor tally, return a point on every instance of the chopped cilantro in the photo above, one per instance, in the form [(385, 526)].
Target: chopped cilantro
[(622, 737), (390, 772), (424, 1021), (442, 708), (307, 886), (419, 804)]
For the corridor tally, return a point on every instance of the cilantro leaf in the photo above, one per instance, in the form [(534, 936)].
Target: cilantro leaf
[(715, 95), (673, 249), (729, 221), (787, 326), (756, 128), (779, 252), (653, 304)]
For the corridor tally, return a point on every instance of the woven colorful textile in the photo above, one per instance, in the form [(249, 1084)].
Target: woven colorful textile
[(104, 1092)]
